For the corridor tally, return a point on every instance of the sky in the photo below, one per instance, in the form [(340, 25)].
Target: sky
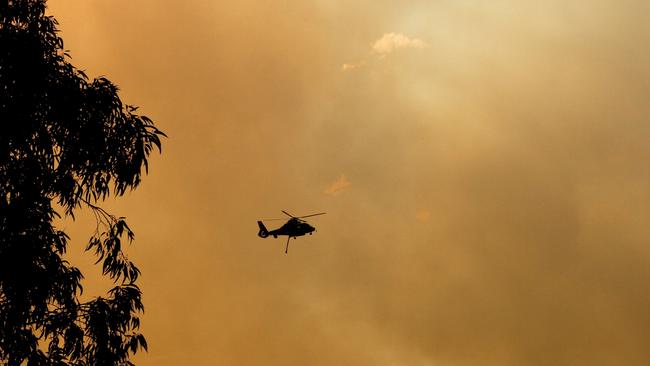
[(483, 166)]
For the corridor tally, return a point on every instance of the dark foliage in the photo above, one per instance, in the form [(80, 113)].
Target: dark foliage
[(69, 141)]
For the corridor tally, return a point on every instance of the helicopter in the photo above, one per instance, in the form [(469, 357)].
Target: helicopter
[(293, 228)]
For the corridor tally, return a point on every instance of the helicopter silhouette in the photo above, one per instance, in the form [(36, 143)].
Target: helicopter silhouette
[(293, 228)]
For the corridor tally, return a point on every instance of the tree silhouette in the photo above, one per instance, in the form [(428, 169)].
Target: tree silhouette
[(68, 141)]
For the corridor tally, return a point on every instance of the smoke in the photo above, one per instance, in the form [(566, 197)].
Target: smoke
[(499, 210), (338, 186)]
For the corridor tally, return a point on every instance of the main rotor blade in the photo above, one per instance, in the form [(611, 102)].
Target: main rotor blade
[(288, 214), (316, 214), (272, 219)]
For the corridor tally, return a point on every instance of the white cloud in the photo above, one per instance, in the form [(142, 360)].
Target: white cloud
[(386, 44), (338, 186), (390, 42)]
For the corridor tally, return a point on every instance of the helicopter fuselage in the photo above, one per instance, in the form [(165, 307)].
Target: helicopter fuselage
[(292, 228)]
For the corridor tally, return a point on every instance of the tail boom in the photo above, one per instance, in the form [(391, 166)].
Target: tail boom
[(263, 233)]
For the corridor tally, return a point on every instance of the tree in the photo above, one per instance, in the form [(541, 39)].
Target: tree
[(66, 143)]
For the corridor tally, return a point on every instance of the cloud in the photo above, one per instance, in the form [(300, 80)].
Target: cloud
[(386, 44), (348, 67), (338, 186), (390, 42), (423, 215)]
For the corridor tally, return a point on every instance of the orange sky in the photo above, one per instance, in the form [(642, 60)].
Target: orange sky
[(483, 164)]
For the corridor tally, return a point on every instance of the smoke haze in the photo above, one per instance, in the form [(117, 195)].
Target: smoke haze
[(487, 191)]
